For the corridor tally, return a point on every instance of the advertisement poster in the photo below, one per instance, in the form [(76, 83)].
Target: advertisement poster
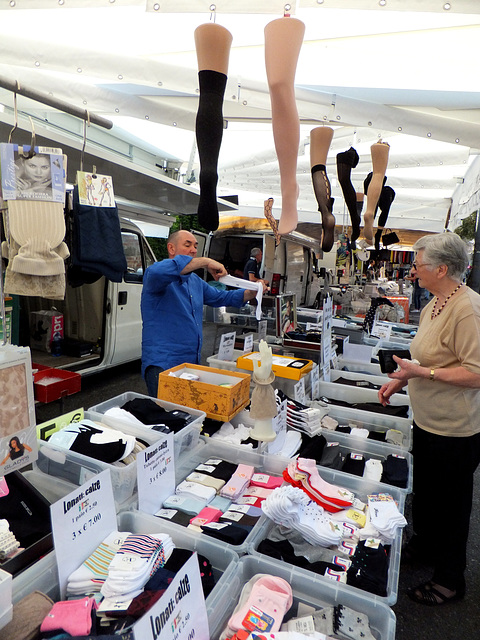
[(39, 177)]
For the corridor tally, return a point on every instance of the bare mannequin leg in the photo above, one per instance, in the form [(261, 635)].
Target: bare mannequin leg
[(283, 40), (212, 43), (320, 139), (379, 152)]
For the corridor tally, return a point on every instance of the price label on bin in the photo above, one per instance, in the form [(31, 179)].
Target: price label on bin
[(80, 522), (156, 474)]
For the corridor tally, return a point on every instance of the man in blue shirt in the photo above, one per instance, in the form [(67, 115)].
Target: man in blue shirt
[(172, 307)]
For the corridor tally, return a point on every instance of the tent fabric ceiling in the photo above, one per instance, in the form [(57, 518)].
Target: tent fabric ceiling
[(401, 73)]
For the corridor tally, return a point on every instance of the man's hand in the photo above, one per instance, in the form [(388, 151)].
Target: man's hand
[(216, 269)]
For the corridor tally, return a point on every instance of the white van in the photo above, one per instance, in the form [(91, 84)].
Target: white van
[(292, 267), (102, 321)]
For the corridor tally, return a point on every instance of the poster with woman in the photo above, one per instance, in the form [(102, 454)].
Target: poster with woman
[(37, 176)]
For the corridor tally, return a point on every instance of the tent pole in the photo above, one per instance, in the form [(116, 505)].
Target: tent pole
[(44, 98)]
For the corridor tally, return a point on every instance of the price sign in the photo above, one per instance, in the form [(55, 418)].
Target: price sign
[(381, 330), (80, 522), (279, 425), (327, 332), (262, 330), (248, 343), (180, 614), (227, 343), (156, 474), (315, 381), (299, 391)]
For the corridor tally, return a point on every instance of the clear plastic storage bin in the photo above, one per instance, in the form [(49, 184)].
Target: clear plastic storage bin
[(76, 468), (185, 439), (6, 606), (362, 489), (308, 589)]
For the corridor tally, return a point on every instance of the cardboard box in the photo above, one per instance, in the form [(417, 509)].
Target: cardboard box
[(282, 366), (206, 394), (43, 327)]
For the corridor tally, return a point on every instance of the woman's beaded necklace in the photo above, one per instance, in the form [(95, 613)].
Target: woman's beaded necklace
[(436, 312)]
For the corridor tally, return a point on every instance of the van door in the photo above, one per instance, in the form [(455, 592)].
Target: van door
[(123, 300), (297, 270)]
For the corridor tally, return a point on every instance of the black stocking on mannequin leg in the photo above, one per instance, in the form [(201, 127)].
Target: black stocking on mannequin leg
[(320, 140), (321, 187), (209, 133), (379, 152), (384, 203), (346, 161), (212, 43)]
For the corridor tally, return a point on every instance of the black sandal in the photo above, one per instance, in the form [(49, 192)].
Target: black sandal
[(427, 594)]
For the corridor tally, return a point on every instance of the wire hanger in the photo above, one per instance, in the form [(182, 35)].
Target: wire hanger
[(15, 113), (86, 123), (31, 152)]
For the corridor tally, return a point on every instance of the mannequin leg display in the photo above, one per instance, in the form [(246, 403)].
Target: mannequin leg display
[(212, 43), (267, 212), (283, 40), (320, 140), (384, 203), (346, 161), (379, 152)]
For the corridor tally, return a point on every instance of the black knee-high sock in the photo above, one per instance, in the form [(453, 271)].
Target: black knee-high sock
[(322, 189), (387, 196), (209, 132), (346, 161)]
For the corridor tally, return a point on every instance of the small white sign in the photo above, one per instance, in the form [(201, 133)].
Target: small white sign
[(381, 330), (279, 425), (180, 614), (227, 344), (326, 372), (262, 330), (315, 381), (357, 352), (314, 326), (248, 343), (80, 523), (156, 474), (327, 331), (299, 391)]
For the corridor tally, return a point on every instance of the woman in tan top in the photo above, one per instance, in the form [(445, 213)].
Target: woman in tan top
[(445, 395)]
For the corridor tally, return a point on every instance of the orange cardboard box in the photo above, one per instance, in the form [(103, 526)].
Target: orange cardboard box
[(206, 394)]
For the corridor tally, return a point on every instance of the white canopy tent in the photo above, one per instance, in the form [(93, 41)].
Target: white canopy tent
[(399, 70)]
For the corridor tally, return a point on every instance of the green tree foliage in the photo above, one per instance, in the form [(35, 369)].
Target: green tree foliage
[(159, 245), (467, 229)]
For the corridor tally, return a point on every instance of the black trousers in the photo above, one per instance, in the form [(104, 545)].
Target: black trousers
[(443, 469)]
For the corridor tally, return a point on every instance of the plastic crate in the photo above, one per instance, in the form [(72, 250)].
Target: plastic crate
[(373, 422), (221, 558), (362, 489), (51, 384), (353, 395), (370, 368), (307, 589), (214, 449), (76, 468), (184, 439), (370, 449)]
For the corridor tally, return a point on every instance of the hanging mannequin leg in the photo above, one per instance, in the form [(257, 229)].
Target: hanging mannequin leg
[(283, 40), (209, 133), (344, 177), (212, 43), (321, 187), (379, 152), (320, 140)]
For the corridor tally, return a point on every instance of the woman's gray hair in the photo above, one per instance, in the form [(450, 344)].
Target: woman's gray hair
[(445, 248)]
